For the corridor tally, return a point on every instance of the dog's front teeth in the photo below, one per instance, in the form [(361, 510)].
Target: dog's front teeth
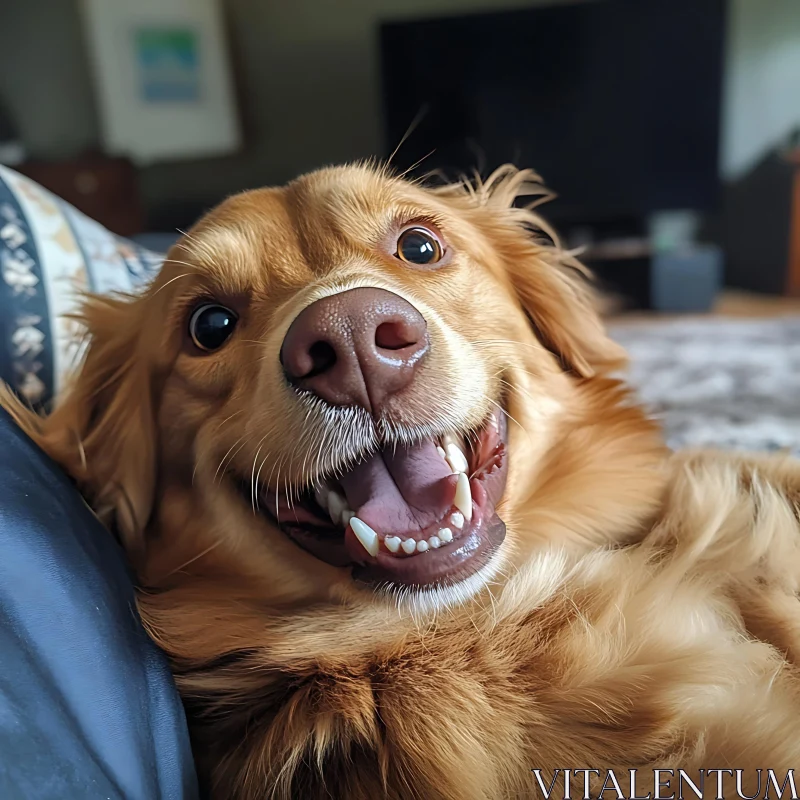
[(365, 535), (435, 542), (409, 546), (392, 543), (422, 546), (445, 535), (456, 458), (463, 498)]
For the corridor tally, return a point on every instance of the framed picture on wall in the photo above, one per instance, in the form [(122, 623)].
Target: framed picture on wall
[(168, 65), (163, 78)]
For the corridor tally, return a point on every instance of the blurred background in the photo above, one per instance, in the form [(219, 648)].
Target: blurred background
[(668, 129)]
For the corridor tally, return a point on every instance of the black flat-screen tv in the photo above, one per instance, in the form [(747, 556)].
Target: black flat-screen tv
[(616, 103)]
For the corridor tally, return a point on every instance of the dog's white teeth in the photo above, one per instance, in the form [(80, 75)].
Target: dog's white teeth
[(441, 452), (445, 535), (336, 504), (456, 458), (412, 546), (409, 546), (365, 535), (457, 520), (463, 498), (321, 495)]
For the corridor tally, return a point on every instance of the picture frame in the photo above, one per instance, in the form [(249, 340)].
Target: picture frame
[(163, 79)]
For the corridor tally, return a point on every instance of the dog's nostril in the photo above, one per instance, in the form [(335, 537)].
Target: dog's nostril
[(323, 357), (355, 348), (394, 336)]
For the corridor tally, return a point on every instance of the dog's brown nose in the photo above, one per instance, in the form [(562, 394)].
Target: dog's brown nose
[(356, 347)]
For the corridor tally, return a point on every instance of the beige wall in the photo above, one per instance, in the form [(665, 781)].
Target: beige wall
[(44, 76), (309, 75), (762, 97)]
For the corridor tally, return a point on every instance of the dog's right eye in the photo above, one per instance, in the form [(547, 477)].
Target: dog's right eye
[(418, 246), (211, 325)]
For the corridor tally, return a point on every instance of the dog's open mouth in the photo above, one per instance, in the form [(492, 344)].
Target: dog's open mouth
[(416, 515)]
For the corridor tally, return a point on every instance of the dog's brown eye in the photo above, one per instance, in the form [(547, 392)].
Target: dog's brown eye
[(211, 325), (418, 246)]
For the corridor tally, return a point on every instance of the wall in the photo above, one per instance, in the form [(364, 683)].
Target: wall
[(309, 70), (308, 74), (44, 76), (309, 79), (762, 98)]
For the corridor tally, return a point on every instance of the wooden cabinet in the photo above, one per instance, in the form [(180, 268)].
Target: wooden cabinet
[(105, 189)]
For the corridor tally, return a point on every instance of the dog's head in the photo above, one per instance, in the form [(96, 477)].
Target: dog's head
[(347, 384)]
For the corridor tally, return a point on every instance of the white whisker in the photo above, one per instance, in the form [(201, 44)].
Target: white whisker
[(222, 462), (172, 280)]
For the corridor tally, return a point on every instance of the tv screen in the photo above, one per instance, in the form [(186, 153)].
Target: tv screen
[(616, 103)]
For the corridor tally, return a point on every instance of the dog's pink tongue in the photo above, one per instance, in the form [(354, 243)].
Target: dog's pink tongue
[(401, 490)]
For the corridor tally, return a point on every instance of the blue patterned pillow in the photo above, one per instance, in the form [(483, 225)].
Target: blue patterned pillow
[(50, 254)]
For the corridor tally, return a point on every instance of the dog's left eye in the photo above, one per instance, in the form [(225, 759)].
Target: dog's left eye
[(211, 325), (418, 246)]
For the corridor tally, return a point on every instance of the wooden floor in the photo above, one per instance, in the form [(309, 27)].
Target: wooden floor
[(740, 304), (730, 304)]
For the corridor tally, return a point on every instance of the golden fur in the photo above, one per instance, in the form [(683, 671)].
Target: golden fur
[(642, 611)]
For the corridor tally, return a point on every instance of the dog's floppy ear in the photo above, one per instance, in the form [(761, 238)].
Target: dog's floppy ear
[(557, 295), (103, 430), (553, 287)]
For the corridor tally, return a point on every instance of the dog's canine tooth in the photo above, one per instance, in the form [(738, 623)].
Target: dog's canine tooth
[(321, 495), (463, 498), (365, 535), (435, 542), (392, 543), (336, 504), (445, 535), (409, 546), (422, 546), (447, 440), (457, 520), (456, 458), (441, 452)]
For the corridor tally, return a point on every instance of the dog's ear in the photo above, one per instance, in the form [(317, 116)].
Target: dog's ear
[(102, 431), (553, 287), (556, 292)]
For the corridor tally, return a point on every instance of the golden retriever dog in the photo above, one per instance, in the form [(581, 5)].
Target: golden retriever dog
[(401, 531)]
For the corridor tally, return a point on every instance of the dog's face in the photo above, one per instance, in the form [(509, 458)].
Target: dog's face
[(339, 388)]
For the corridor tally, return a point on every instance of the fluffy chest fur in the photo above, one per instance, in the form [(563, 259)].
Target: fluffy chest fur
[(648, 656), (398, 528)]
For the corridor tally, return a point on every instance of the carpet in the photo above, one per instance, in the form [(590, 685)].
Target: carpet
[(732, 384)]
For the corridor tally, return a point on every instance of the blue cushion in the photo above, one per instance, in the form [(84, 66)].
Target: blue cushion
[(50, 253), (88, 708)]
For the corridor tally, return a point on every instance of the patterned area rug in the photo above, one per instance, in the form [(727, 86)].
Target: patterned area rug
[(726, 383)]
